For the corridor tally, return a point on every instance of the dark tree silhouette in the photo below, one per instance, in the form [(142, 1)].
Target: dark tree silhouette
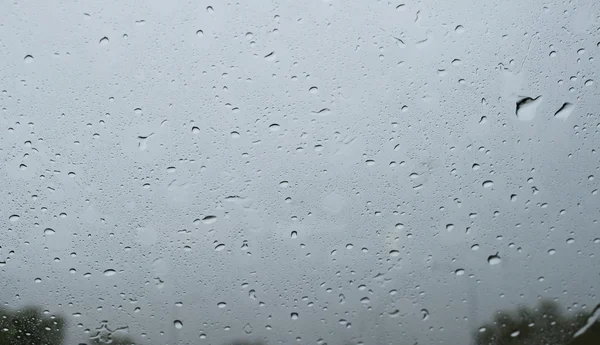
[(29, 326), (545, 324)]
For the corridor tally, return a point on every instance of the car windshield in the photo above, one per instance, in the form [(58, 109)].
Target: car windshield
[(327, 172)]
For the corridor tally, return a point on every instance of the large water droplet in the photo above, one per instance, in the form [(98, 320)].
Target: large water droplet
[(494, 259), (564, 111), (209, 219), (526, 108), (247, 328), (110, 272)]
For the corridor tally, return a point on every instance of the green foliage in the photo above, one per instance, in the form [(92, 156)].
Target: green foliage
[(29, 326), (543, 325)]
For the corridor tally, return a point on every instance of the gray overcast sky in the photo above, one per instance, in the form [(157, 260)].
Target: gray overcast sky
[(338, 170)]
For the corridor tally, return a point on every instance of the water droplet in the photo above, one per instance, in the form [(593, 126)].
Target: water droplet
[(28, 59), (425, 314), (110, 272), (270, 57), (13, 218), (526, 108), (247, 328), (322, 112), (49, 231), (294, 316), (178, 324), (564, 111), (104, 40), (494, 259), (209, 219)]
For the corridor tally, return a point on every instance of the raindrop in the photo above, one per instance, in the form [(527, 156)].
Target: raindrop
[(270, 56), (526, 108), (209, 219), (494, 259), (564, 111), (109, 272), (247, 328), (425, 313)]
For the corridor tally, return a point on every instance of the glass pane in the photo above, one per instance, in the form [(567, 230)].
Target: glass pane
[(299, 172)]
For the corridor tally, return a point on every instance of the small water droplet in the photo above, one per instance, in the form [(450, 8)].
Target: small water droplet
[(270, 57)]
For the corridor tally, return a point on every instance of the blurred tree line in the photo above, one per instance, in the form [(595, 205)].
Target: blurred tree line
[(545, 324)]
